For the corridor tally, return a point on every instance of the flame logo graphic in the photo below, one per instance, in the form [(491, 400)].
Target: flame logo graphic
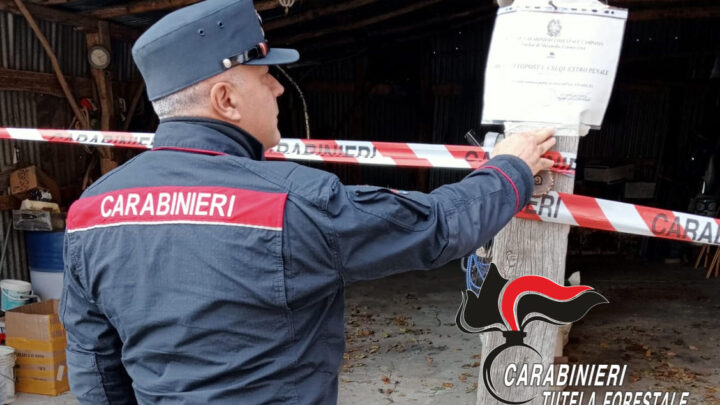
[(508, 306)]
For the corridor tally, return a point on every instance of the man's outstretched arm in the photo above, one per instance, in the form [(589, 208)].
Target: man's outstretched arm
[(378, 232)]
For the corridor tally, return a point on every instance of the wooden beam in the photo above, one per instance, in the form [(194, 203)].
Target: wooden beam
[(133, 105), (678, 13), (361, 23), (138, 7), (700, 86), (478, 12), (43, 83), (144, 6), (105, 94), (49, 2), (450, 25), (315, 13), (344, 87), (666, 57), (357, 113), (82, 118), (263, 5), (82, 22), (47, 83), (447, 89), (102, 81), (481, 14), (446, 22)]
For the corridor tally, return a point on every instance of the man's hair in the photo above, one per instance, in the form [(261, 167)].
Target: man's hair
[(182, 102), (191, 99)]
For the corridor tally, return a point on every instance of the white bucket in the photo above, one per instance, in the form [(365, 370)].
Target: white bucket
[(15, 293), (7, 376)]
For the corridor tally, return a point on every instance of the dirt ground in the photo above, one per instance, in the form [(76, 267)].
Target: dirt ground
[(403, 346), (663, 321), (402, 343)]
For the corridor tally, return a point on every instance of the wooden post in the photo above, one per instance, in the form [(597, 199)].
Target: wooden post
[(426, 106), (360, 94), (528, 248), (133, 105), (103, 83), (105, 93)]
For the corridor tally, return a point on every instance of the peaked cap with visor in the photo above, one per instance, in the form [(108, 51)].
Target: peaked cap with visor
[(202, 40)]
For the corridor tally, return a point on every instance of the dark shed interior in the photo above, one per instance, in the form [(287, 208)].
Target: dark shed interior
[(404, 71), (396, 71)]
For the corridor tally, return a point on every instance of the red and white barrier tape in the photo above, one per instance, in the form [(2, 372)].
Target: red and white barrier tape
[(613, 216), (137, 140), (568, 209), (398, 154), (354, 152)]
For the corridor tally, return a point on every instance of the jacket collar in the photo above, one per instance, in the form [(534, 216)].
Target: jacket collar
[(205, 135)]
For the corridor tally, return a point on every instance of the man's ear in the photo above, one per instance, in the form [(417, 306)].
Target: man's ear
[(225, 101)]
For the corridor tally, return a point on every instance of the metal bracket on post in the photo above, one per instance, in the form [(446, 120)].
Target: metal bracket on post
[(544, 181)]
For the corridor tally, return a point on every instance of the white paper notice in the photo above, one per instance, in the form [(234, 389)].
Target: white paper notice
[(553, 63)]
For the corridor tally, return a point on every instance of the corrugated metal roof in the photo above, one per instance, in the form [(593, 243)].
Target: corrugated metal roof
[(20, 49)]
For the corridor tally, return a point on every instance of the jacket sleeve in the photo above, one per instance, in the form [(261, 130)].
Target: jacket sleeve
[(379, 232), (95, 371)]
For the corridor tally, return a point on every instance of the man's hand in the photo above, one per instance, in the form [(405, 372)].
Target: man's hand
[(528, 146)]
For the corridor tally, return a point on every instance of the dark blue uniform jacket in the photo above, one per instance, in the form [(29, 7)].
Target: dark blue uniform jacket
[(198, 273)]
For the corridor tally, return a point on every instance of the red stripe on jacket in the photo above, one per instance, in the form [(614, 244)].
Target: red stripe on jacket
[(179, 204)]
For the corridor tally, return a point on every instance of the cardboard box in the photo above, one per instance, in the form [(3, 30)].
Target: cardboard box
[(5, 180), (608, 174), (38, 337), (24, 180)]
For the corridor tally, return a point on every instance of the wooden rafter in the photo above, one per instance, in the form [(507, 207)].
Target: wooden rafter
[(43, 83), (47, 83), (315, 13), (48, 2), (262, 5), (54, 62), (675, 13), (102, 81), (138, 7), (476, 12), (134, 104), (82, 22), (361, 23), (484, 13), (434, 27), (144, 6), (424, 28), (449, 89)]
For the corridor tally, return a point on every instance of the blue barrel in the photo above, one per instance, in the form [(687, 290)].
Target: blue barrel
[(45, 251), (45, 259)]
